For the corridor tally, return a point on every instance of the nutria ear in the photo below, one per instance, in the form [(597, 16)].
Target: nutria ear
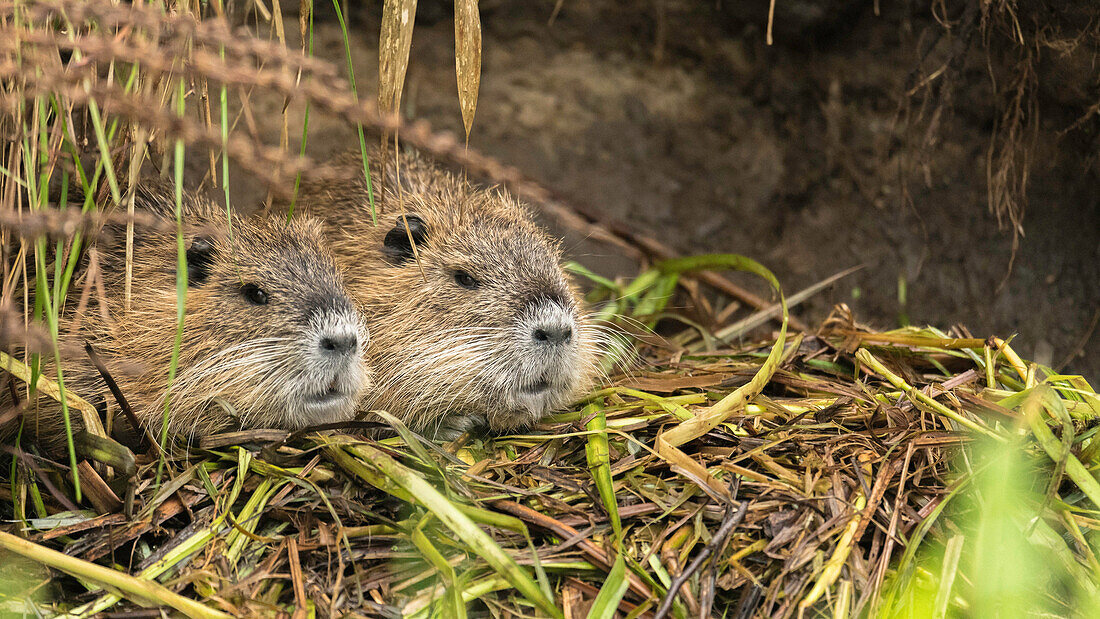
[(396, 246), (312, 226), (200, 257)]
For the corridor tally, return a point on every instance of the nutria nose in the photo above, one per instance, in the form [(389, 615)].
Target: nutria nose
[(553, 335), (339, 344)]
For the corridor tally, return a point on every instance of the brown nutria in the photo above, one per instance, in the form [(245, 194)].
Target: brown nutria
[(480, 324), (270, 337)]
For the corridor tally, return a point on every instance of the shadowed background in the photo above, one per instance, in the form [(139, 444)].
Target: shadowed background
[(857, 138)]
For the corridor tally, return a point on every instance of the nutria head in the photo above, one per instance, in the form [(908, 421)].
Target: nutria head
[(270, 337), (480, 323)]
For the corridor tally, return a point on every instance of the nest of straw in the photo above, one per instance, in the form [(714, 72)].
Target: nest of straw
[(821, 494)]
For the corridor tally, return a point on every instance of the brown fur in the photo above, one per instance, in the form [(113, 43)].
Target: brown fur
[(447, 357), (240, 364)]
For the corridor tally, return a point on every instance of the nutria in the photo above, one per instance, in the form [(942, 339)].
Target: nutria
[(270, 337), (479, 324)]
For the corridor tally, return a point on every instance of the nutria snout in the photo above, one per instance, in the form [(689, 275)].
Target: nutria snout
[(335, 342), (546, 358)]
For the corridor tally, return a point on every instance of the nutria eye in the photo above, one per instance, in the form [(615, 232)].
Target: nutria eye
[(254, 295), (464, 279)]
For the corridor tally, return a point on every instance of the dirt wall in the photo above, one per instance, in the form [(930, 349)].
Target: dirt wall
[(678, 118)]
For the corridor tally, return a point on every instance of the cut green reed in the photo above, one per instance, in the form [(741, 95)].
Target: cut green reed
[(597, 453), (139, 588), (380, 470), (451, 604), (195, 542), (1005, 556)]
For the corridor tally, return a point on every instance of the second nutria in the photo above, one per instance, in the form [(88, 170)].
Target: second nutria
[(270, 337), (479, 323)]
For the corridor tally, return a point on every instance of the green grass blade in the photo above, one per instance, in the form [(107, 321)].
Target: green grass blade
[(355, 97), (305, 119), (641, 284), (452, 600), (655, 299), (1076, 471), (710, 418), (606, 604), (181, 285), (597, 453), (920, 399), (578, 269), (951, 557), (37, 188), (414, 485), (716, 262), (104, 150), (137, 588), (223, 104)]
